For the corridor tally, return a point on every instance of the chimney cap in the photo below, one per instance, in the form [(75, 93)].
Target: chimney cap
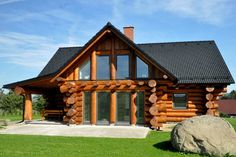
[(128, 27)]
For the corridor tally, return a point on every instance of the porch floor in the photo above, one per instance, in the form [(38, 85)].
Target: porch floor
[(77, 130)]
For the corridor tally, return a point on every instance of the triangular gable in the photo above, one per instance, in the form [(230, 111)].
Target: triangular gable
[(107, 29)]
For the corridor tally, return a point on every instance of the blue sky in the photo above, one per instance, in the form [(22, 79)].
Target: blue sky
[(32, 30)]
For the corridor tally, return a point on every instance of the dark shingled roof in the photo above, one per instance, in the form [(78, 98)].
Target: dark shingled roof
[(59, 60), (190, 62)]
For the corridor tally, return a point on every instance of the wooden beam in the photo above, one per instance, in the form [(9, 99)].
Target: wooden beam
[(113, 60), (28, 107), (113, 108), (77, 57), (93, 115), (93, 70), (133, 109)]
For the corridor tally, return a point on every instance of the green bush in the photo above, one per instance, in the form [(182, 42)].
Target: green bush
[(224, 115), (11, 103)]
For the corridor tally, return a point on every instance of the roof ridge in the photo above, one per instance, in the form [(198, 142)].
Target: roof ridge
[(70, 47), (176, 42)]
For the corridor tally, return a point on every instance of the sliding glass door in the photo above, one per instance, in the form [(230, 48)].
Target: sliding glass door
[(123, 107), (103, 107), (140, 107)]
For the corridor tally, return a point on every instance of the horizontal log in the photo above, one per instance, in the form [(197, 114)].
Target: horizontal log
[(64, 89), (210, 89), (71, 121), (187, 110), (66, 119), (152, 83), (181, 114), (153, 90), (153, 98), (175, 119), (19, 90), (71, 112), (209, 96), (155, 120), (210, 112)]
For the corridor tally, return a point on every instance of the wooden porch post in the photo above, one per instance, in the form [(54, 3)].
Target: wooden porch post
[(28, 107), (93, 118), (93, 66), (113, 108), (133, 118)]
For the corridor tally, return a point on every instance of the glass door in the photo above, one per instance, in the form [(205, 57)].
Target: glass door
[(140, 107), (103, 108), (123, 108), (87, 98)]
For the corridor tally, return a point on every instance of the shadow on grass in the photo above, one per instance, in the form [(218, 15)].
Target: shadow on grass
[(165, 145)]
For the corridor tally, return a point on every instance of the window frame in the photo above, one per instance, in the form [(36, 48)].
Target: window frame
[(136, 69), (186, 103), (129, 65)]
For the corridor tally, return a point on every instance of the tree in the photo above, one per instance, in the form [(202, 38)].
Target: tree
[(231, 95), (10, 102), (39, 103)]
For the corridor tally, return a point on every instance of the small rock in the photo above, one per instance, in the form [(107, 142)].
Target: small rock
[(204, 135)]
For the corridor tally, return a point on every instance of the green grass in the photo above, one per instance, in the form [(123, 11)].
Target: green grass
[(156, 144), (14, 117), (232, 121)]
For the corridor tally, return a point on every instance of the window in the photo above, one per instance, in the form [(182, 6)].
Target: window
[(122, 67), (180, 100), (84, 70), (103, 107), (140, 107), (123, 107), (142, 69), (103, 68), (87, 98)]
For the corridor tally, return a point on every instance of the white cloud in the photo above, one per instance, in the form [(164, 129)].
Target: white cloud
[(31, 51), (2, 2), (210, 11)]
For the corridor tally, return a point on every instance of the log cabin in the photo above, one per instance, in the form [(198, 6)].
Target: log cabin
[(113, 81)]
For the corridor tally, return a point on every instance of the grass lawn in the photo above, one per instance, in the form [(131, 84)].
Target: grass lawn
[(232, 121), (17, 117), (156, 144)]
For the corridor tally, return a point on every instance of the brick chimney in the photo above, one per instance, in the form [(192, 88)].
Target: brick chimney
[(129, 32)]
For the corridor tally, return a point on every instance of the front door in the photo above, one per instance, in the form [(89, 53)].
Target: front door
[(103, 108), (123, 108)]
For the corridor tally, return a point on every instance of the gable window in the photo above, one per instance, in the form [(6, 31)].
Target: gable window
[(84, 70), (122, 67), (142, 69), (103, 67), (180, 100)]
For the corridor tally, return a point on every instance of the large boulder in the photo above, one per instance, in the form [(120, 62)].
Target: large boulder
[(205, 135)]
